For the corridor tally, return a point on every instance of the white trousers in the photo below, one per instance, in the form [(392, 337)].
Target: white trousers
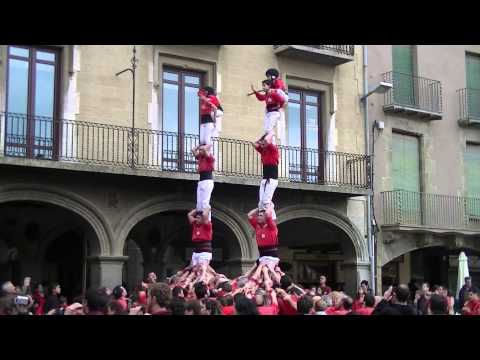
[(202, 258), (204, 194), (206, 133), (265, 194), (270, 261), (270, 122)]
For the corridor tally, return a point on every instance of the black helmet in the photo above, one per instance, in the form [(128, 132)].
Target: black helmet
[(273, 73)]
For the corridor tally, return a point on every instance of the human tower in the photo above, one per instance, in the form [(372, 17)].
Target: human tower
[(263, 217)]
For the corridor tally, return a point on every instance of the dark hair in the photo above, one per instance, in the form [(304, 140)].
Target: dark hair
[(195, 306), (226, 300), (272, 72), (116, 308), (226, 286), (285, 282), (178, 306), (237, 297), (305, 304), (213, 306), (201, 290), (364, 282), (320, 305), (268, 82), (245, 306), (162, 293), (438, 305), (209, 90), (347, 303), (176, 291), (53, 286), (117, 292), (402, 292), (96, 300), (468, 278), (369, 300)]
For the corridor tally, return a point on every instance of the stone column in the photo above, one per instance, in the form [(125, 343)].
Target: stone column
[(106, 270), (237, 267), (353, 274)]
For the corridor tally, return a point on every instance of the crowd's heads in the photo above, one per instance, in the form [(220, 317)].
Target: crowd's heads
[(226, 300), (437, 305), (242, 281), (118, 292), (347, 303), (369, 300), (245, 306), (160, 294), (177, 292), (468, 281), (212, 307), (193, 307), (96, 301), (320, 305), (305, 305), (272, 73), (226, 286), (323, 280), (55, 289), (201, 290), (8, 288), (152, 277), (178, 306), (260, 297), (425, 287), (402, 292), (285, 282)]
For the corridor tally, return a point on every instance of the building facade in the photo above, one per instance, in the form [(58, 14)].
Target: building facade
[(87, 197), (426, 161)]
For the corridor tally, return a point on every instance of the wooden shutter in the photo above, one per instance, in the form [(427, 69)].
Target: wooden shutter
[(472, 178), (473, 85), (403, 84)]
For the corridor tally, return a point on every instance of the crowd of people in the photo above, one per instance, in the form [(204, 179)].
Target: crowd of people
[(263, 290)]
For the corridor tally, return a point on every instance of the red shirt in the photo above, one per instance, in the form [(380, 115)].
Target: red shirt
[(228, 310), (202, 232), (266, 235), (205, 163), (364, 311), (279, 84), (473, 307), (357, 304), (272, 99), (206, 106), (268, 310), (285, 308), (269, 154), (334, 311)]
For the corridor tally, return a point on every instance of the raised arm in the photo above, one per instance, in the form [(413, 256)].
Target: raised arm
[(205, 215), (257, 273), (191, 216), (252, 213)]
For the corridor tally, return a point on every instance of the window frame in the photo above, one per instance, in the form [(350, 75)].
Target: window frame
[(32, 67)]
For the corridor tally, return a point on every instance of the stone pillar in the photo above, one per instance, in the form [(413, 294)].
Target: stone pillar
[(106, 270), (353, 274), (237, 267)]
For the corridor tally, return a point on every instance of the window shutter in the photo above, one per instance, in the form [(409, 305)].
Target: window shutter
[(473, 85), (402, 59)]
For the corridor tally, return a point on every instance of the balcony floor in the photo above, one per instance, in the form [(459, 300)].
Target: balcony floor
[(411, 111), (418, 229)]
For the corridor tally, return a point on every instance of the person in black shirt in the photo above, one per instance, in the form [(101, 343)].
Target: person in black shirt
[(53, 301)]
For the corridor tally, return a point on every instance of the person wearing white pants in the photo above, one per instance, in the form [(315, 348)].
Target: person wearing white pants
[(270, 158), (209, 105), (202, 233), (206, 164), (278, 84)]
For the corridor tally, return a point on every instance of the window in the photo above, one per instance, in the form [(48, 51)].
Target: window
[(473, 84), (403, 81), (304, 133), (472, 179), (32, 102), (181, 117)]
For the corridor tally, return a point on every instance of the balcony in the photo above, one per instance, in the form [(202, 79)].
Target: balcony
[(147, 152), (413, 96), (419, 212), (322, 54), (469, 100)]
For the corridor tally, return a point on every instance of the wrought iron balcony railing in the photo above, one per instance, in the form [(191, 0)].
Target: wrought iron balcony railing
[(327, 54), (469, 101), (413, 95), (408, 208), (94, 143)]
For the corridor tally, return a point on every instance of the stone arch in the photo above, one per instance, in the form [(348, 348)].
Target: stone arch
[(331, 216), (230, 218), (69, 201)]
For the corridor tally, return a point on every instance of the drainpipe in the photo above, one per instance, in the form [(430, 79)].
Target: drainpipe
[(367, 152)]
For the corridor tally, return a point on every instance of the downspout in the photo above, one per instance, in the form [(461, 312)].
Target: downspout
[(367, 152)]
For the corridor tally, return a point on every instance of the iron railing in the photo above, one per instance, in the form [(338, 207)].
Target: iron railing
[(410, 208), (413, 92), (469, 100), (340, 49), (94, 143)]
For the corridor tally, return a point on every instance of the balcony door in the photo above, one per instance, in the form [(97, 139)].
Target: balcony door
[(406, 176), (472, 181), (181, 118), (403, 81), (473, 85), (32, 102), (305, 159)]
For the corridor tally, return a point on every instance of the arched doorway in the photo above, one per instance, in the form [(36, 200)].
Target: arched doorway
[(310, 247), (164, 241), (48, 242)]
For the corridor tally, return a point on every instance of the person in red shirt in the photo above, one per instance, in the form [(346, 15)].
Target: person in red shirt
[(323, 289), (270, 159), (343, 306), (202, 241), (359, 299), (369, 306), (159, 298), (472, 306), (266, 234), (206, 164), (261, 296), (274, 102), (278, 84), (209, 109), (39, 299)]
